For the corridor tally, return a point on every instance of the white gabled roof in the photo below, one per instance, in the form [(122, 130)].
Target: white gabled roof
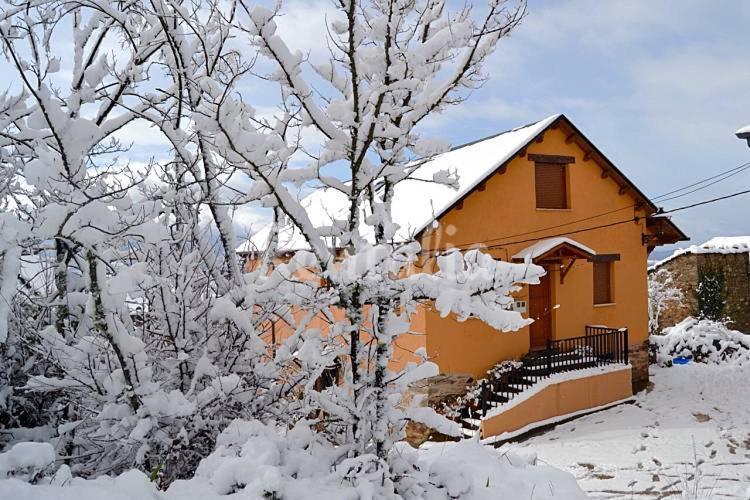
[(544, 246), (417, 201), (718, 244)]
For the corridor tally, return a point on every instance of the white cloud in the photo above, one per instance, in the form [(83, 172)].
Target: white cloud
[(302, 25), (247, 220)]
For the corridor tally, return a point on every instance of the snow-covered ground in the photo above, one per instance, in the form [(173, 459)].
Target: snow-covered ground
[(252, 462), (689, 432)]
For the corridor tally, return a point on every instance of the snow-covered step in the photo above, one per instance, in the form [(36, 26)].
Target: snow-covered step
[(469, 432), (473, 422)]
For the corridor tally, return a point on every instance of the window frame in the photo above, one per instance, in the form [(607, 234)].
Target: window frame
[(563, 162), (604, 261)]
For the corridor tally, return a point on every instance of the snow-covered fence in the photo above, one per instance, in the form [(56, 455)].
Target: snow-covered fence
[(600, 346)]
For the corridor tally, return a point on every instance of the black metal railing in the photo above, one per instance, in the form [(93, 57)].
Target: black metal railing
[(599, 346)]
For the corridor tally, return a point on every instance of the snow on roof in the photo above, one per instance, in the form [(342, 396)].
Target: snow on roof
[(544, 246), (718, 244), (418, 200)]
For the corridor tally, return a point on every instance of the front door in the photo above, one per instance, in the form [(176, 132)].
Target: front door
[(540, 310)]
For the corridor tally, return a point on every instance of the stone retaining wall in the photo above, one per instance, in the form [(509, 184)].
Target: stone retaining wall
[(685, 270), (638, 357)]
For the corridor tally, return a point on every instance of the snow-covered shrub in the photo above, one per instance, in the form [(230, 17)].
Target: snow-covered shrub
[(711, 294), (662, 293), (150, 339), (704, 340), (256, 461), (26, 461)]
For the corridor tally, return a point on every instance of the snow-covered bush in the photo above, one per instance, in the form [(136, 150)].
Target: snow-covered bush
[(662, 293), (27, 461), (256, 461), (150, 339), (704, 340)]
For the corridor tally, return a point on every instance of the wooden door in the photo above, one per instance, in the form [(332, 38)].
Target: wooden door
[(540, 310)]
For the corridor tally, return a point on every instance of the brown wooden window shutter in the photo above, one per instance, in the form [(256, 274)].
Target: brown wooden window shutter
[(551, 185), (603, 282)]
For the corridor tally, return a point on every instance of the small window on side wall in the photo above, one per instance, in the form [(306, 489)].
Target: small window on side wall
[(551, 184), (603, 280)]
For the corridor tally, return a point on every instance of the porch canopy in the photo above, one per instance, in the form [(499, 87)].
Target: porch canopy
[(560, 250)]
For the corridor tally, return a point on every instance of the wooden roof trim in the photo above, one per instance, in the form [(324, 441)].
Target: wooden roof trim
[(591, 152), (552, 158)]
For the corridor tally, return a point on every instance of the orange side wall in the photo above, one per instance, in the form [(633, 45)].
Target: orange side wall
[(404, 348), (506, 212), (560, 399)]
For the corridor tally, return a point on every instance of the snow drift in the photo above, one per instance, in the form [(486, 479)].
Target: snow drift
[(255, 461)]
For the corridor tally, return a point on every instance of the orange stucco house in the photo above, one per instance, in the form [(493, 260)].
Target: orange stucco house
[(542, 192)]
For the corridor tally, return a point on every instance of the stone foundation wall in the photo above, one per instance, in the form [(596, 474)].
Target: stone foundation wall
[(433, 391), (685, 271), (638, 356)]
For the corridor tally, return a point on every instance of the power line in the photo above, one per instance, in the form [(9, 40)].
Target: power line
[(731, 172), (706, 202), (553, 227), (739, 171), (601, 226), (503, 244)]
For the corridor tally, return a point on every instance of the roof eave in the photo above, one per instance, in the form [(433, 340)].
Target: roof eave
[(663, 231)]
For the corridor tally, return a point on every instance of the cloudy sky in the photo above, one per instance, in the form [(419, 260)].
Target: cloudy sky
[(659, 86)]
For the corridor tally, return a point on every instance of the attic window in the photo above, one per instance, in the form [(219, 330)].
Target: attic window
[(551, 184)]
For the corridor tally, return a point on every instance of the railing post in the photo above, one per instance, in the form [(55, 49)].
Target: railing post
[(484, 398), (549, 357), (625, 347)]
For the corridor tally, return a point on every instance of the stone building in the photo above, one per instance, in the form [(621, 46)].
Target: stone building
[(724, 259)]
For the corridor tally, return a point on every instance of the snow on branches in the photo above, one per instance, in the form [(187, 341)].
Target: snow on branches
[(663, 293), (148, 337)]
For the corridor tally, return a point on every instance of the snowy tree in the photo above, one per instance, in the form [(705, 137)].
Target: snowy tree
[(152, 339), (147, 344), (392, 65), (662, 294)]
